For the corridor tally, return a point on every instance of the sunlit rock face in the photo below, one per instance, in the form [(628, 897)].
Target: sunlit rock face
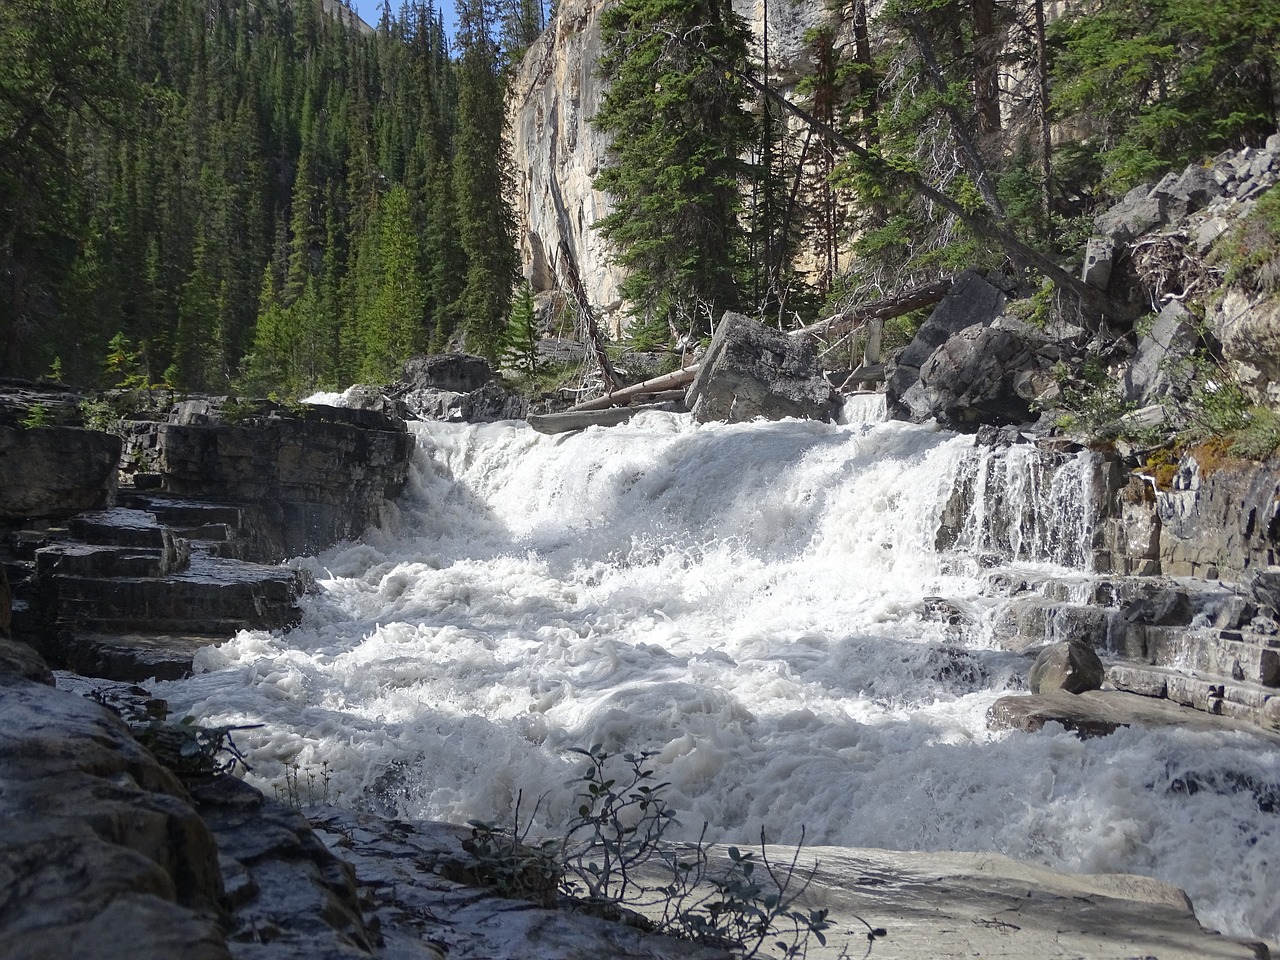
[(558, 153)]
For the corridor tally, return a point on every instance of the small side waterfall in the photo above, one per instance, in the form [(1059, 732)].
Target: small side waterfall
[(1023, 504)]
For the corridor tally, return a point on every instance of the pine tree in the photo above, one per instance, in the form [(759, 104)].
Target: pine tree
[(674, 106), (481, 175)]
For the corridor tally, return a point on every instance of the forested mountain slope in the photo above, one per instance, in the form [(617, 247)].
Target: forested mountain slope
[(248, 192)]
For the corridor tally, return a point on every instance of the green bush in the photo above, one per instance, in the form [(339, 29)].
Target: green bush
[(614, 859)]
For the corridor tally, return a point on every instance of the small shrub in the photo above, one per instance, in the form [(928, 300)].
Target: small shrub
[(613, 859), (298, 792), (192, 751), (37, 416)]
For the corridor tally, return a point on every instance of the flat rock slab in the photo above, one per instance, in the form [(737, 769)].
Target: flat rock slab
[(932, 906), (1097, 713), (939, 906)]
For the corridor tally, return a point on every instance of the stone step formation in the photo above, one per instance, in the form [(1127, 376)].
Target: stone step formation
[(134, 591), (1201, 646)]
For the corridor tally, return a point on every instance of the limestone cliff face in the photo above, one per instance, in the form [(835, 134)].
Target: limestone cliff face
[(557, 152)]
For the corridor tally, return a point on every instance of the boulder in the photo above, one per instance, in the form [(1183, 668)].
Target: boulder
[(981, 375), (1137, 212), (1183, 194), (1163, 352), (1248, 325), (1097, 713), (972, 301), (452, 372), (19, 659), (1071, 666), (752, 371), (1098, 256), (485, 404), (55, 471)]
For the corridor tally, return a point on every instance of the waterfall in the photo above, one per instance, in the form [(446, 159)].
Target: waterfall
[(756, 603)]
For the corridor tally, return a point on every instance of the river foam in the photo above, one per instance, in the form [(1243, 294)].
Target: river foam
[(747, 601)]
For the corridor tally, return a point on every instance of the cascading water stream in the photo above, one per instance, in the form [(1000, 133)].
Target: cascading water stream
[(750, 602)]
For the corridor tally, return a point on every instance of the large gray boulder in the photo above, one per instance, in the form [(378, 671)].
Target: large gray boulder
[(1248, 325), (982, 375), (972, 301), (457, 387), (752, 371), (455, 372)]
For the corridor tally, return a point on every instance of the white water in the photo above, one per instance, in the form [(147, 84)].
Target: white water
[(746, 601)]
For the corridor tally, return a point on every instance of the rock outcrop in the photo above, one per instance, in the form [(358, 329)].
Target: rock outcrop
[(188, 557), (312, 477), (55, 471), (554, 95)]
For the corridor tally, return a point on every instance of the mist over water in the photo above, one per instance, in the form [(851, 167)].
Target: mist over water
[(749, 602)]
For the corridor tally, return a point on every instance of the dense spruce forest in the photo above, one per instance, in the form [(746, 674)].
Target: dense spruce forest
[(262, 195)]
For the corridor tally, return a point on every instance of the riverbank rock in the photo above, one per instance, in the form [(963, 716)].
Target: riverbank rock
[(311, 477), (55, 471), (751, 371), (973, 301), (101, 855)]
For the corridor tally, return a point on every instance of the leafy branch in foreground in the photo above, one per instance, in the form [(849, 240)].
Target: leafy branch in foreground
[(613, 859)]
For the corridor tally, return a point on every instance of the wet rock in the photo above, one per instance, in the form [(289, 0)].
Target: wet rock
[(101, 854), (485, 404), (1097, 713), (1164, 608), (1222, 525), (1071, 666), (55, 471), (751, 371), (1264, 587), (972, 300)]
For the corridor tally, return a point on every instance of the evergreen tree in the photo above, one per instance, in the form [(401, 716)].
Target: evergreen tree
[(1159, 83), (390, 295), (481, 178), (675, 108)]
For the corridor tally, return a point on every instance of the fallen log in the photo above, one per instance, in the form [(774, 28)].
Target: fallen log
[(622, 396), (923, 296), (576, 419)]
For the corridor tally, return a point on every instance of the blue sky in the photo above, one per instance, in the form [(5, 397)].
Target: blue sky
[(371, 11)]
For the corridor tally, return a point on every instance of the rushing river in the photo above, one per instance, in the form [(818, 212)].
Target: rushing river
[(748, 602)]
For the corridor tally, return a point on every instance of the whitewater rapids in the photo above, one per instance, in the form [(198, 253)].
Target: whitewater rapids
[(747, 602)]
